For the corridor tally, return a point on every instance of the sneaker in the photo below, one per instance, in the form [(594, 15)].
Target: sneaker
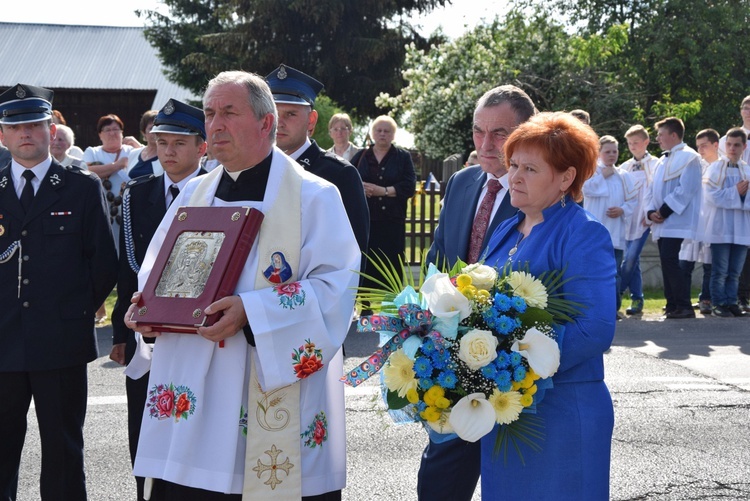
[(722, 311), (735, 310), (705, 307), (636, 307), (745, 305)]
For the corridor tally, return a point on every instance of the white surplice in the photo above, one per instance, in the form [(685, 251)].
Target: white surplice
[(617, 190), (206, 448), (726, 214)]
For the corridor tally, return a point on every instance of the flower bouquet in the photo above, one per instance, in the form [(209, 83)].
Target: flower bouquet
[(467, 350)]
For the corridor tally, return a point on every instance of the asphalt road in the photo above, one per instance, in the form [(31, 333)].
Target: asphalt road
[(681, 390)]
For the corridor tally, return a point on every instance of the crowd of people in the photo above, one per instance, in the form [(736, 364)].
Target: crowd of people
[(205, 416)]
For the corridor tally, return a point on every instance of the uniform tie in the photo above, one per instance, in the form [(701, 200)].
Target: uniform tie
[(27, 194), (174, 191), (482, 220)]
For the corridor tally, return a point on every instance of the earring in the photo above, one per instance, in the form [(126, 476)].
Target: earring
[(562, 200)]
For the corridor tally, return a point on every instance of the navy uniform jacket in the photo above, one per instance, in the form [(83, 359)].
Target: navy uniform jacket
[(147, 209), (451, 241), (69, 267), (345, 177)]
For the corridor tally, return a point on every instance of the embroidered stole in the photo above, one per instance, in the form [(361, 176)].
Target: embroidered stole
[(273, 462)]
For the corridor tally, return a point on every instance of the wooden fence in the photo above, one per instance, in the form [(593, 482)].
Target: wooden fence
[(421, 219)]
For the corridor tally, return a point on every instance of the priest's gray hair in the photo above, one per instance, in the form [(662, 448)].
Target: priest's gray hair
[(258, 92)]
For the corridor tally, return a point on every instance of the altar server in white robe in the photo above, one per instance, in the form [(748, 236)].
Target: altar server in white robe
[(611, 196), (726, 209), (673, 207), (203, 409)]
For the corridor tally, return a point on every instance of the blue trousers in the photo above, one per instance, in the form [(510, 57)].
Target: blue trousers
[(630, 269), (726, 265), (449, 470)]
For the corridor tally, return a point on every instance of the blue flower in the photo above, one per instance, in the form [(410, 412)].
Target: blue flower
[(428, 347), (502, 380), (490, 317), (423, 367), (519, 304), (505, 325), (447, 379), (425, 383), (502, 302), (503, 360), (489, 371), (515, 358), (440, 359), (519, 373)]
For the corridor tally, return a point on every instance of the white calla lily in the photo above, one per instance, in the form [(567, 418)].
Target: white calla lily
[(472, 417), (540, 350), (443, 299)]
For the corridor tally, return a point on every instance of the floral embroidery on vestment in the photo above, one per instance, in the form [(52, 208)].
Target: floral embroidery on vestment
[(307, 359), (317, 432), (290, 295), (166, 400)]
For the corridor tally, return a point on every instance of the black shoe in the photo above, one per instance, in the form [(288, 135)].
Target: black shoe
[(744, 305), (722, 311), (705, 307), (735, 310), (685, 313)]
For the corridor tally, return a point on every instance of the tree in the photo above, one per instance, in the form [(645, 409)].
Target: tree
[(356, 48), (559, 72)]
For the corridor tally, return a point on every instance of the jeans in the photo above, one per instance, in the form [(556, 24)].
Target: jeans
[(726, 266), (618, 260), (630, 269), (676, 288), (687, 267)]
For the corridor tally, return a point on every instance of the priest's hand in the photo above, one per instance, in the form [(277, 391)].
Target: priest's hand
[(130, 324), (118, 353), (231, 322)]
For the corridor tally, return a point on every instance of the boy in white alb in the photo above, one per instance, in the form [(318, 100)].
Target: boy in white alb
[(611, 196), (727, 229), (641, 170)]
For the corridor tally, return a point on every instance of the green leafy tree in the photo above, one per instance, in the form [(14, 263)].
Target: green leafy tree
[(559, 71), (356, 48)]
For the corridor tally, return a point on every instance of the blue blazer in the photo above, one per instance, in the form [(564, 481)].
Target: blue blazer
[(451, 240)]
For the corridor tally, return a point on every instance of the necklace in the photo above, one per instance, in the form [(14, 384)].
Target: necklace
[(513, 250)]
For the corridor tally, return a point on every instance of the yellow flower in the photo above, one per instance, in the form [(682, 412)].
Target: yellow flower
[(515, 386), (531, 289), (507, 406), (527, 400), (531, 390), (412, 395), (463, 280), (399, 373), (442, 403), (483, 294), (431, 414), (469, 292), (527, 382), (433, 394)]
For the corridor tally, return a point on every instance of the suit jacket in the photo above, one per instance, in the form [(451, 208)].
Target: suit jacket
[(451, 240), (345, 177), (147, 207), (69, 266)]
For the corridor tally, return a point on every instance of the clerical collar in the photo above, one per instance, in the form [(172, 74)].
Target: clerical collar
[(250, 184), (266, 162)]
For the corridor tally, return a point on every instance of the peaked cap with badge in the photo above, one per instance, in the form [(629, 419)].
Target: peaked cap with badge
[(25, 104), (291, 86), (177, 117)]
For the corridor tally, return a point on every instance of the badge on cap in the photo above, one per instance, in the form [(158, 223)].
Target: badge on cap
[(282, 73), (168, 108), (20, 92), (2, 230)]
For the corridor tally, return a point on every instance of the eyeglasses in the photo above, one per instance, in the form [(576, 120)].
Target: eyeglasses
[(112, 129), (340, 129)]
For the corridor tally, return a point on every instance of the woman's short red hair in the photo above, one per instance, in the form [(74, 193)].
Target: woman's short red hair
[(563, 140)]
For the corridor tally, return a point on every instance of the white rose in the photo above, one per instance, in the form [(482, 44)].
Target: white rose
[(477, 348), (482, 276)]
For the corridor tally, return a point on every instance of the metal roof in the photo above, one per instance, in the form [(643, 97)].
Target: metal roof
[(83, 57)]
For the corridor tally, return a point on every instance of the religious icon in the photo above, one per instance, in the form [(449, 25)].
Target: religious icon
[(279, 271), (189, 264)]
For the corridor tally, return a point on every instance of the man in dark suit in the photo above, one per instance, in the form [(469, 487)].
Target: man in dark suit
[(180, 144), (294, 93), (476, 201), (57, 265)]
